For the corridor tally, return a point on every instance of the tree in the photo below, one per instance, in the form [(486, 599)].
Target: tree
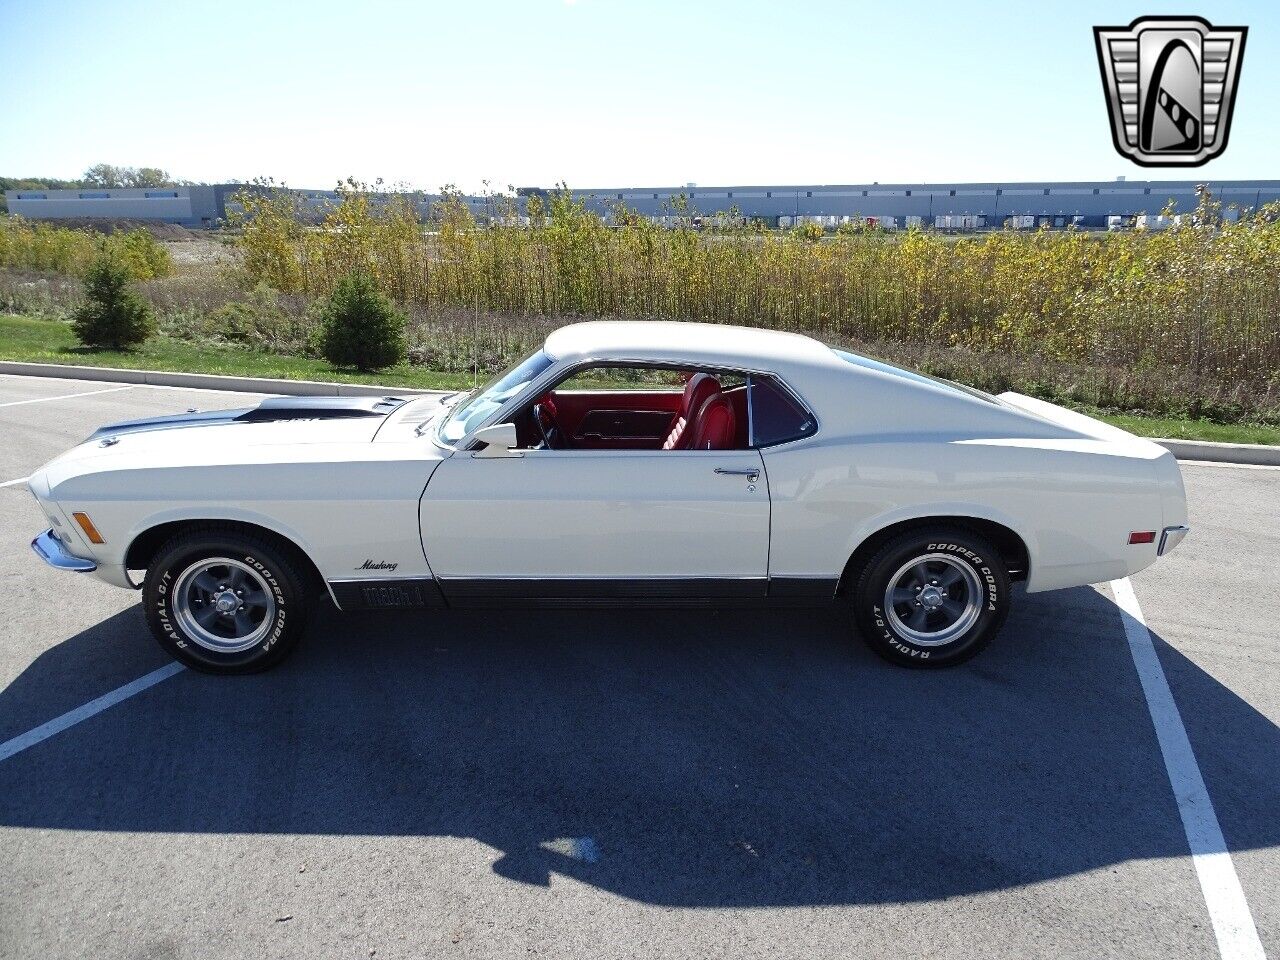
[(110, 177), (113, 315), (104, 175), (359, 326), (151, 177)]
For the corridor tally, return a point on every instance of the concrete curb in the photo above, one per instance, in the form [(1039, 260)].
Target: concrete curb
[(1257, 454), (1250, 453), (207, 381)]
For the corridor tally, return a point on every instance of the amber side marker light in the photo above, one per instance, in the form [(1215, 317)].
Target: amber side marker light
[(1138, 536), (89, 529)]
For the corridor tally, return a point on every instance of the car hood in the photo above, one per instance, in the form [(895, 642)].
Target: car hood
[(270, 410), (278, 430)]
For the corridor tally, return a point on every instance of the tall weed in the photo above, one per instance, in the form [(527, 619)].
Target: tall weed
[(1202, 299), (32, 245)]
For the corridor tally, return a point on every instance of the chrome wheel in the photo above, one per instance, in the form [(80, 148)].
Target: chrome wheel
[(223, 605), (933, 600)]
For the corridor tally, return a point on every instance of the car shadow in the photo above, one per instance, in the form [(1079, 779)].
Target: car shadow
[(693, 758)]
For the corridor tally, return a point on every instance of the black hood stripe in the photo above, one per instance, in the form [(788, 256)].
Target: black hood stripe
[(270, 410)]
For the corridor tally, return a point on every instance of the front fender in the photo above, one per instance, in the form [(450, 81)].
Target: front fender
[(116, 572)]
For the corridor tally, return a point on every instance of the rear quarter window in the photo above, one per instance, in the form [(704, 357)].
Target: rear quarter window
[(776, 416)]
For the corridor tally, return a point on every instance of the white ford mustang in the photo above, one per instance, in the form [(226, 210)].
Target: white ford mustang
[(621, 463)]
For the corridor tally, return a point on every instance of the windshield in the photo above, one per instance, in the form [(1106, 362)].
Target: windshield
[(479, 404), (882, 367)]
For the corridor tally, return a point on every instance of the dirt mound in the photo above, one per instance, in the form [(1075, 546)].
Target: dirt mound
[(161, 231)]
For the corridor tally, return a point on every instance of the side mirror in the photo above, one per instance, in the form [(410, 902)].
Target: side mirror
[(498, 440)]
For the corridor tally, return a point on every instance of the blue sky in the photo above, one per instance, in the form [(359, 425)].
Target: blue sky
[(594, 92)]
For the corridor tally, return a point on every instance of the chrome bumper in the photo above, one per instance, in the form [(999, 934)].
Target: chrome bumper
[(1170, 537), (50, 549)]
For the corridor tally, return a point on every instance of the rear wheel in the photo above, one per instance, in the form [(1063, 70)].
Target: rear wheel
[(225, 602), (932, 597)]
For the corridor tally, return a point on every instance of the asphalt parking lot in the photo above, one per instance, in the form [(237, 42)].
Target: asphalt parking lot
[(614, 784)]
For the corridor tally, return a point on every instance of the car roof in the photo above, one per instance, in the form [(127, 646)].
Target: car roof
[(680, 342), (851, 395)]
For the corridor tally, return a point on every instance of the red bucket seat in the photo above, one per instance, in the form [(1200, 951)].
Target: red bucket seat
[(716, 425), (700, 388)]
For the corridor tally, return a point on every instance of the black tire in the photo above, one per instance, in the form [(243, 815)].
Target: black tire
[(262, 567), (981, 594)]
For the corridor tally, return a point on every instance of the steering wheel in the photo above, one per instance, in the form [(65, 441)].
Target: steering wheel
[(547, 426)]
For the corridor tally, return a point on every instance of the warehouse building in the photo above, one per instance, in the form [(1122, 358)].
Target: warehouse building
[(193, 206), (197, 205), (946, 205), (938, 205)]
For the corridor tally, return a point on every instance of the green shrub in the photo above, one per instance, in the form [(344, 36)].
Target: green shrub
[(236, 321), (359, 326), (256, 321), (113, 315)]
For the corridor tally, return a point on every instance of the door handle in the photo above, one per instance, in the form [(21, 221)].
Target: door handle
[(752, 474)]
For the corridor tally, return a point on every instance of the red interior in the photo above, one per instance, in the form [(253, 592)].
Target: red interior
[(574, 407), (716, 425), (699, 390), (644, 419)]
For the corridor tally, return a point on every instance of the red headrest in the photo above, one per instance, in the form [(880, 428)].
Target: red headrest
[(700, 388)]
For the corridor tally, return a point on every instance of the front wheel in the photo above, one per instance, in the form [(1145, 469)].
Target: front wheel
[(224, 602), (932, 597)]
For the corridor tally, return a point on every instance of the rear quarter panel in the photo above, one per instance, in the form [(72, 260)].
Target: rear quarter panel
[(1073, 502)]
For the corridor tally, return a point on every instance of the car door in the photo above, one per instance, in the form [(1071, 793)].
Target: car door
[(548, 524)]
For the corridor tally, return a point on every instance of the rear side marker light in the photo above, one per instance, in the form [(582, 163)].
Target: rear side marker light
[(1138, 536), (89, 529)]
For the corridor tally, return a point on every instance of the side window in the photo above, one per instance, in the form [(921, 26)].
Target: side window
[(639, 407), (776, 417)]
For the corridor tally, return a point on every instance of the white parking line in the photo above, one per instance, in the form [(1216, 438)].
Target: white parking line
[(14, 483), (92, 708), (1228, 910), (65, 396)]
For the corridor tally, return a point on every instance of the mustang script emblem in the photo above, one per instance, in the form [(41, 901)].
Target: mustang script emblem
[(1171, 85), (379, 565)]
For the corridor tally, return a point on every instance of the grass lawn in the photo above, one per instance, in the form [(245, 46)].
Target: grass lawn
[(51, 341), (1172, 428)]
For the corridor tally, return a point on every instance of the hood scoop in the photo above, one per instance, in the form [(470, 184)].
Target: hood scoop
[(272, 409), (319, 408)]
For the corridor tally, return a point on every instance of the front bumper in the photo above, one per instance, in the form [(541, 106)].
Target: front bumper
[(51, 550)]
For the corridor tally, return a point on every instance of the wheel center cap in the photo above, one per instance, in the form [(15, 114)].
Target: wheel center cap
[(226, 602), (931, 597)]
